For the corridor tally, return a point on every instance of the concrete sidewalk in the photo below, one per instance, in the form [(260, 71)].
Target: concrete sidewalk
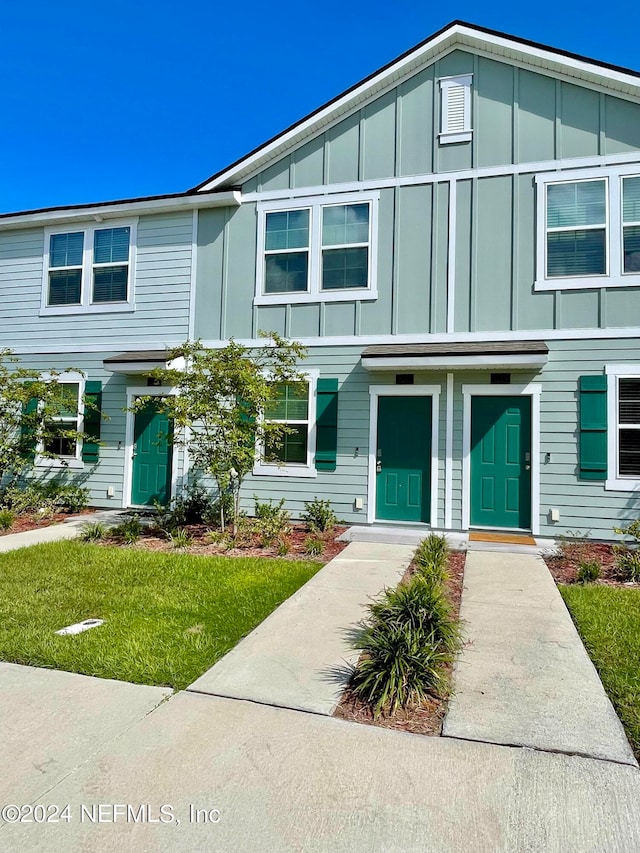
[(300, 656), (286, 781), (524, 677), (69, 529)]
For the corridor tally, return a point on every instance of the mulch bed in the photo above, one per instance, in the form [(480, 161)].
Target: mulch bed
[(564, 566), (426, 718), (34, 521), (152, 540)]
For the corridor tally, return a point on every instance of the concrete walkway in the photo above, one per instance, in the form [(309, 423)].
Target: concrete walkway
[(300, 656), (524, 677), (286, 781), (69, 529)]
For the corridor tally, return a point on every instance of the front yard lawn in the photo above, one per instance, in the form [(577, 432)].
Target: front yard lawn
[(608, 619), (168, 617)]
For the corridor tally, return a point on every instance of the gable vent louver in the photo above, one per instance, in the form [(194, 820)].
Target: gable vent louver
[(455, 109)]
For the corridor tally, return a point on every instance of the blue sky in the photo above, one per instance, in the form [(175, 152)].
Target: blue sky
[(112, 100)]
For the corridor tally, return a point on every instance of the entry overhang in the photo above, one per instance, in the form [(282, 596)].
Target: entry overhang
[(499, 355), (142, 362)]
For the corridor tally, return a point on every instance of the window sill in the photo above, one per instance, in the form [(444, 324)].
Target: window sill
[(306, 298), (265, 470), (618, 484), (59, 465), (587, 283), (452, 138), (102, 308)]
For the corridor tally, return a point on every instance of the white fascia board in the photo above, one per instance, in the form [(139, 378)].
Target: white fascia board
[(232, 198), (466, 362), (501, 47)]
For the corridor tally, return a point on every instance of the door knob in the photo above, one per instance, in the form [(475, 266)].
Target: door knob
[(378, 467), (134, 450), (527, 467)]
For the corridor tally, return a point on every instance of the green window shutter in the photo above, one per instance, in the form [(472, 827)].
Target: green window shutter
[(92, 419), (593, 427), (326, 425), (27, 432)]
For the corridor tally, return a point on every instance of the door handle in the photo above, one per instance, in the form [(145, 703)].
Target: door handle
[(527, 467), (134, 450), (378, 467)]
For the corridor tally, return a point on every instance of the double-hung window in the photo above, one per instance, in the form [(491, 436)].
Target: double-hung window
[(89, 269), (293, 404), (61, 446), (588, 229), (312, 250), (623, 428)]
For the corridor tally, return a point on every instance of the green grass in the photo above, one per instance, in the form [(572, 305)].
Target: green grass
[(608, 620), (168, 617)]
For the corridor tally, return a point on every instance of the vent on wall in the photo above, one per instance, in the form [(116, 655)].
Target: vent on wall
[(455, 109)]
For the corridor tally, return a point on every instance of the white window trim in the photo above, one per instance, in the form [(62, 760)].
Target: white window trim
[(377, 391), (314, 292), (449, 137), (614, 481), (533, 390), (615, 276), (86, 306), (64, 462), (308, 470)]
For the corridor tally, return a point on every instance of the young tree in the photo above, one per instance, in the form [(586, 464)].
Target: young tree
[(29, 405), (221, 395)]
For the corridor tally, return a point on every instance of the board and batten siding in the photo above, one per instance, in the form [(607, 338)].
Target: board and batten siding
[(518, 117), (162, 290)]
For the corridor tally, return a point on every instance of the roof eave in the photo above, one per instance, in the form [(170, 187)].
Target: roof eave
[(118, 209)]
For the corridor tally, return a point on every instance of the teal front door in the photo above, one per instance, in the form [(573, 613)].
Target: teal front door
[(501, 462), (152, 456), (403, 459)]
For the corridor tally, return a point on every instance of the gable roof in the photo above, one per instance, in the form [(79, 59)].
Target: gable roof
[(458, 34)]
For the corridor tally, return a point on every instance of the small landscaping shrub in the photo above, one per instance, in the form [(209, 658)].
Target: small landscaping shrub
[(271, 520), (313, 546), (52, 496), (574, 546), (180, 538), (588, 571), (319, 516), (409, 638), (129, 531), (94, 532), (284, 545), (432, 558), (628, 555), (7, 517)]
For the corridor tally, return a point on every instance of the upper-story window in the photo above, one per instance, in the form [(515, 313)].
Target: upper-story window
[(455, 109), (310, 250), (588, 229), (89, 269)]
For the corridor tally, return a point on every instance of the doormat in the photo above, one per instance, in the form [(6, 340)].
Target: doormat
[(507, 538)]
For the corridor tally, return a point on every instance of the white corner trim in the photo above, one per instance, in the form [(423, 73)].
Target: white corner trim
[(272, 469), (376, 391), (134, 391), (614, 482), (533, 390), (448, 456)]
